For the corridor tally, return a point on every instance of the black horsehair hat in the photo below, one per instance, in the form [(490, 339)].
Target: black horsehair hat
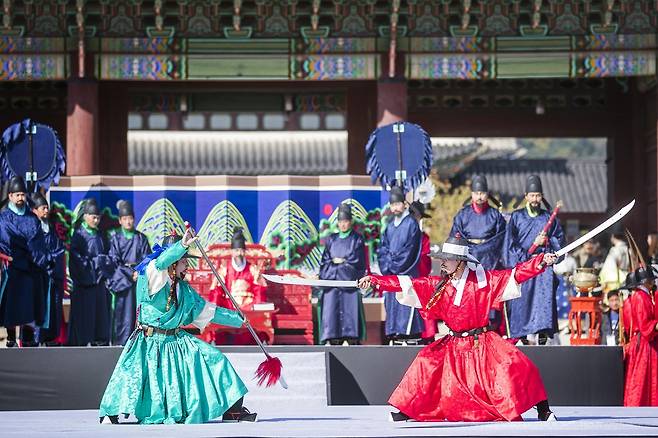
[(172, 238), (125, 208), (37, 200), (238, 240), (479, 184), (90, 207), (454, 248), (396, 195), (533, 184), (16, 185), (345, 212)]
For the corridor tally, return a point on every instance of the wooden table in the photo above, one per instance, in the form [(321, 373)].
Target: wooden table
[(590, 307)]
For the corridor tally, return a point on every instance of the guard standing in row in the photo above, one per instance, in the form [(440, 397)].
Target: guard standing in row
[(398, 255), (22, 299), (536, 311), (482, 226), (53, 276), (89, 266), (128, 247), (341, 309)]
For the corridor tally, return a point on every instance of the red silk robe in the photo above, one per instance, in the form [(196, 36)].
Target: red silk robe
[(424, 269), (641, 388), (454, 379)]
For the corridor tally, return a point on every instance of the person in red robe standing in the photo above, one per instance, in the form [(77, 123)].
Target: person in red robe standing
[(472, 374), (245, 283), (641, 388), (417, 209)]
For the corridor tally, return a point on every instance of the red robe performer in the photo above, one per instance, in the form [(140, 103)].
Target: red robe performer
[(244, 282), (471, 374), (641, 388)]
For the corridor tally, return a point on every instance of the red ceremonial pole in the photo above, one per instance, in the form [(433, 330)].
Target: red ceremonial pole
[(269, 371)]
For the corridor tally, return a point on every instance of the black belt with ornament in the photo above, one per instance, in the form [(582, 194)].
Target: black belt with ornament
[(150, 330), (473, 332)]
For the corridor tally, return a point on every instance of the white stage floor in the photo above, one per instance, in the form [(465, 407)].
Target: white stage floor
[(336, 421)]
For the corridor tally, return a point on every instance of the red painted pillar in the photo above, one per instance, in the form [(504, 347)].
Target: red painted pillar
[(361, 120), (391, 101), (82, 128)]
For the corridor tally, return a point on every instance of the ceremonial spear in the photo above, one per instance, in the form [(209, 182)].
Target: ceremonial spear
[(269, 371)]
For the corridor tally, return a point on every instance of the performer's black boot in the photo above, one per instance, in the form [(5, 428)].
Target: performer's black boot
[(237, 413), (398, 416), (110, 419), (544, 412), (11, 337)]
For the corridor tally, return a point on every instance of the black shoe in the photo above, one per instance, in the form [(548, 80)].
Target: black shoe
[(242, 415), (52, 344), (28, 344), (546, 416), (109, 419), (398, 416), (11, 344)]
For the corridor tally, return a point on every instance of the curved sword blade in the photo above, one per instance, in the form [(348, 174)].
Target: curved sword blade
[(308, 281), (599, 229)]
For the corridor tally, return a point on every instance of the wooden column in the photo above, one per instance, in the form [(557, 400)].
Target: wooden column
[(391, 101), (82, 128), (361, 120), (113, 128)]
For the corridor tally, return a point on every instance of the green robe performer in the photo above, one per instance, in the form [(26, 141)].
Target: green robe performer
[(166, 375)]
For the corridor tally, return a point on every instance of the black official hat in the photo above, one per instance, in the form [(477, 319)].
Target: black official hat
[(479, 184), (418, 208), (533, 184), (37, 200), (90, 207), (16, 185), (396, 195), (345, 212), (125, 208), (238, 240)]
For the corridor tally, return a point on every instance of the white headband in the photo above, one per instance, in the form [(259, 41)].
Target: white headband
[(451, 248)]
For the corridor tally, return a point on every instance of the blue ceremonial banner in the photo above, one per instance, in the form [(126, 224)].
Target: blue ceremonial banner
[(399, 154), (32, 151)]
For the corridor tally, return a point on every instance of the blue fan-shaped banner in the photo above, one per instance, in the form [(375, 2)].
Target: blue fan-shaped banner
[(383, 158), (48, 157)]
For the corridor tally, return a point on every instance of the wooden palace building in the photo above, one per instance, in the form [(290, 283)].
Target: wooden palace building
[(104, 73)]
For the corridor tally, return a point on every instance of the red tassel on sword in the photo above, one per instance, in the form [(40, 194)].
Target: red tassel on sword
[(269, 371)]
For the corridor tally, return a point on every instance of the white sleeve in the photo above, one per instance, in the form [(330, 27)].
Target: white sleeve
[(206, 315), (156, 279), (512, 288), (407, 296)]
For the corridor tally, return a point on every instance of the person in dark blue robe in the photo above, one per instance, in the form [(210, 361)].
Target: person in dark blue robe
[(52, 277), (342, 319), (127, 248), (88, 267), (399, 254), (22, 297), (482, 226), (535, 312)]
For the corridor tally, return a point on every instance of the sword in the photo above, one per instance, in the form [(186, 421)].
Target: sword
[(596, 231), (281, 279)]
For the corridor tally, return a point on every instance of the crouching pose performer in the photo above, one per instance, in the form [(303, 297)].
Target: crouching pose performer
[(471, 374), (166, 375)]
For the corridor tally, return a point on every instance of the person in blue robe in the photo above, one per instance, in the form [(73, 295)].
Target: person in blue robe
[(22, 297), (127, 248), (535, 312), (482, 226), (88, 267), (341, 313), (52, 277), (399, 254)]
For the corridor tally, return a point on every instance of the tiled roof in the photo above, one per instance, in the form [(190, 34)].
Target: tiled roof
[(237, 153), (582, 184)]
